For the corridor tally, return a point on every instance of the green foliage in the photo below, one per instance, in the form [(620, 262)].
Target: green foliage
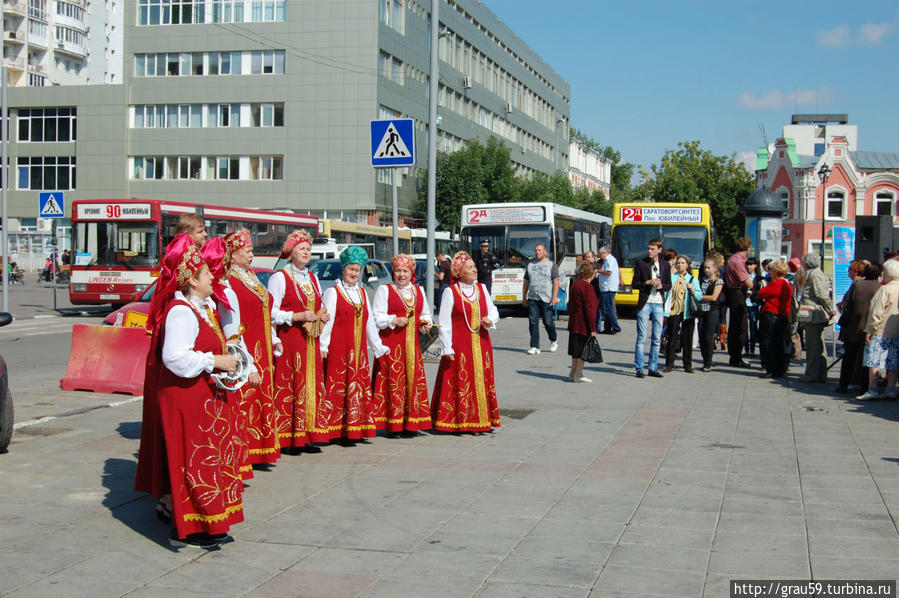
[(690, 174)]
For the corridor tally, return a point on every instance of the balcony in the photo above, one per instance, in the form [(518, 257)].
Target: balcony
[(17, 64), (15, 7), (73, 49), (14, 37)]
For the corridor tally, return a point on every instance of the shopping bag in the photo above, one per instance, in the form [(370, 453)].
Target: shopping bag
[(592, 352)]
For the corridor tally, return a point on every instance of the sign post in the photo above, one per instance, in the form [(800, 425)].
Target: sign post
[(393, 146), (51, 204)]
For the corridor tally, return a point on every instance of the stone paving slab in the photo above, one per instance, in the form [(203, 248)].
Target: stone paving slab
[(623, 487)]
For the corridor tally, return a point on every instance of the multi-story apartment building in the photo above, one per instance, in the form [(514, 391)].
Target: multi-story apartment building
[(267, 104), (588, 168), (861, 183), (62, 42)]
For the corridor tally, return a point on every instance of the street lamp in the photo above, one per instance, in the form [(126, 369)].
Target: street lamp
[(823, 175)]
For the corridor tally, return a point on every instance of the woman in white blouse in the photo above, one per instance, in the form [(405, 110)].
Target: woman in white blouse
[(345, 342), (401, 312)]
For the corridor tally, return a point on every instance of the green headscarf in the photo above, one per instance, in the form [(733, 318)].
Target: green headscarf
[(353, 255)]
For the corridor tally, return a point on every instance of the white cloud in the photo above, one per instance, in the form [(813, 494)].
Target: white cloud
[(834, 38), (872, 34), (775, 99), (747, 159)]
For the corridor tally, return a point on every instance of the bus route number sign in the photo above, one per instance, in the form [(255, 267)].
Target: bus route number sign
[(662, 215), (509, 215), (114, 211)]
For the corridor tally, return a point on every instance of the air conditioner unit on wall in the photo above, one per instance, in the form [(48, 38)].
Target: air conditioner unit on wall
[(508, 106), (466, 82)]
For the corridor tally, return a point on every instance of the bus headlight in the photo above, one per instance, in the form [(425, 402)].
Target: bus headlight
[(79, 287), (625, 288), (140, 288)]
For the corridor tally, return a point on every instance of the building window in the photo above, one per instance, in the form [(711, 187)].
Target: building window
[(46, 173), (785, 199), (836, 200), (44, 125), (210, 168), (67, 9), (158, 116), (391, 13), (186, 12), (883, 203), (269, 62)]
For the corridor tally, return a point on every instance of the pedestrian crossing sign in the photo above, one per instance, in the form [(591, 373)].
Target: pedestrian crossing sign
[(393, 142), (51, 204)]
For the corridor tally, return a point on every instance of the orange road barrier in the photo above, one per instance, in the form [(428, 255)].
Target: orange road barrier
[(107, 359)]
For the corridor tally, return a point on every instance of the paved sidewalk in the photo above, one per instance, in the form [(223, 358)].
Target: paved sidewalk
[(35, 300), (622, 487)]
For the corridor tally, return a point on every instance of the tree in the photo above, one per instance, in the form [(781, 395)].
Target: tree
[(692, 174)]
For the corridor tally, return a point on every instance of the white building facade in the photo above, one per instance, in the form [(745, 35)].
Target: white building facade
[(588, 168)]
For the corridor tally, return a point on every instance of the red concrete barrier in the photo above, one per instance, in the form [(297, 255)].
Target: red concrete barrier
[(107, 359)]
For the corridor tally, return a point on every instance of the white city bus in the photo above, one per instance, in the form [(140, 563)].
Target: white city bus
[(515, 229)]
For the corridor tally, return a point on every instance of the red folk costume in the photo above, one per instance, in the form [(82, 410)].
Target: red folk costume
[(346, 338), (201, 444), (303, 413), (152, 467), (465, 393), (257, 404), (399, 380)]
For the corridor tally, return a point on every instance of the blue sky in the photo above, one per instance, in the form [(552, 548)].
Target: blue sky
[(645, 75)]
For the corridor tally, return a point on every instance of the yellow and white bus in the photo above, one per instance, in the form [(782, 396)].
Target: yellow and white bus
[(380, 238), (684, 227)]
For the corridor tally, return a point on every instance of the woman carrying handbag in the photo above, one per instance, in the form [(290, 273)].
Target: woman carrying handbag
[(683, 304), (582, 306)]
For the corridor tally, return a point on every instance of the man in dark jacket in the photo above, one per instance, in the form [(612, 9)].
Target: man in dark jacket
[(652, 278), (486, 262)]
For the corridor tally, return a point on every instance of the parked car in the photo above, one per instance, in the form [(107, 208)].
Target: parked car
[(373, 275), (6, 409), (142, 305)]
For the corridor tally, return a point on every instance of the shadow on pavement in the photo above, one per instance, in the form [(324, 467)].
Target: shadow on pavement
[(133, 509), (129, 430)]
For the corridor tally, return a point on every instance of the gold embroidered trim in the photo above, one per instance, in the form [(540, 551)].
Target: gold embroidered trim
[(213, 518)]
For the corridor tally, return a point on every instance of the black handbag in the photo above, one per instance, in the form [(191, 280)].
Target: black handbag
[(592, 352)]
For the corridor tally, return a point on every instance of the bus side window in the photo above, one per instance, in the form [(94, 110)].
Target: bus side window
[(561, 243)]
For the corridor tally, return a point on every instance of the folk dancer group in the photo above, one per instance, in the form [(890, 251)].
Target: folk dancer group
[(310, 382)]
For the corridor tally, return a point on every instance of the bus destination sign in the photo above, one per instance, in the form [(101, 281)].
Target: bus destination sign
[(661, 215), (505, 215), (114, 211)]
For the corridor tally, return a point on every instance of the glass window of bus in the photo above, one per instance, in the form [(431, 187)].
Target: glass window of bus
[(118, 243), (495, 235), (523, 240), (687, 240), (630, 242)]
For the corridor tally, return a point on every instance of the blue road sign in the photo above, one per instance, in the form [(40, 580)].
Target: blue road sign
[(393, 142), (51, 204)]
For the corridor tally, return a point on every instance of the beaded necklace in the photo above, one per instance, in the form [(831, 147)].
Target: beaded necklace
[(210, 319), (249, 280), (409, 304), (357, 307), (309, 291), (473, 300)]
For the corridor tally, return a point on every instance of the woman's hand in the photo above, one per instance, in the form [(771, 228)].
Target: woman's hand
[(325, 317), (324, 354), (225, 363), (400, 322), (254, 379), (425, 326), (279, 347), (486, 322), (868, 338)]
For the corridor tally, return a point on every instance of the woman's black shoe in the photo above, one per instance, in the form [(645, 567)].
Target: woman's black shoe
[(311, 449), (162, 512), (199, 540)]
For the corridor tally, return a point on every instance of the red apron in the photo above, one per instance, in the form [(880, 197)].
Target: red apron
[(464, 393), (303, 415), (348, 381), (257, 404), (201, 445), (400, 375)]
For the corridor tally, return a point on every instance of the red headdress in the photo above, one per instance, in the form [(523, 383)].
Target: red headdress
[(458, 261), (294, 239), (218, 258), (237, 240), (403, 260), (182, 260)]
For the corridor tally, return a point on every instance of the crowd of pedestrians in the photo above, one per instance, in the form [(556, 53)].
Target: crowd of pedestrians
[(308, 382), (740, 305)]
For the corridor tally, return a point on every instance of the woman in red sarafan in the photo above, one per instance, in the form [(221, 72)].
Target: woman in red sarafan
[(202, 451), (303, 413), (346, 339), (251, 321), (400, 312), (465, 393)]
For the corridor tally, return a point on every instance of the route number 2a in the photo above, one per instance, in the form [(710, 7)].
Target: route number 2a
[(475, 216), (113, 211), (631, 214)]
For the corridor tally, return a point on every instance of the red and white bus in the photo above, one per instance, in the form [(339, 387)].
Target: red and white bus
[(117, 244)]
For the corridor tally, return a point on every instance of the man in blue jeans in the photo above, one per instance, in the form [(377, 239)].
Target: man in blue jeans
[(540, 295), (608, 276), (652, 278)]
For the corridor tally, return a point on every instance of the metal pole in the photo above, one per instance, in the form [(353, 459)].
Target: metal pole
[(4, 133), (396, 231), (432, 151), (823, 214)]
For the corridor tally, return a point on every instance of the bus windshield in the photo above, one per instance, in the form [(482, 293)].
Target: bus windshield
[(629, 241), (111, 244), (514, 245)]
